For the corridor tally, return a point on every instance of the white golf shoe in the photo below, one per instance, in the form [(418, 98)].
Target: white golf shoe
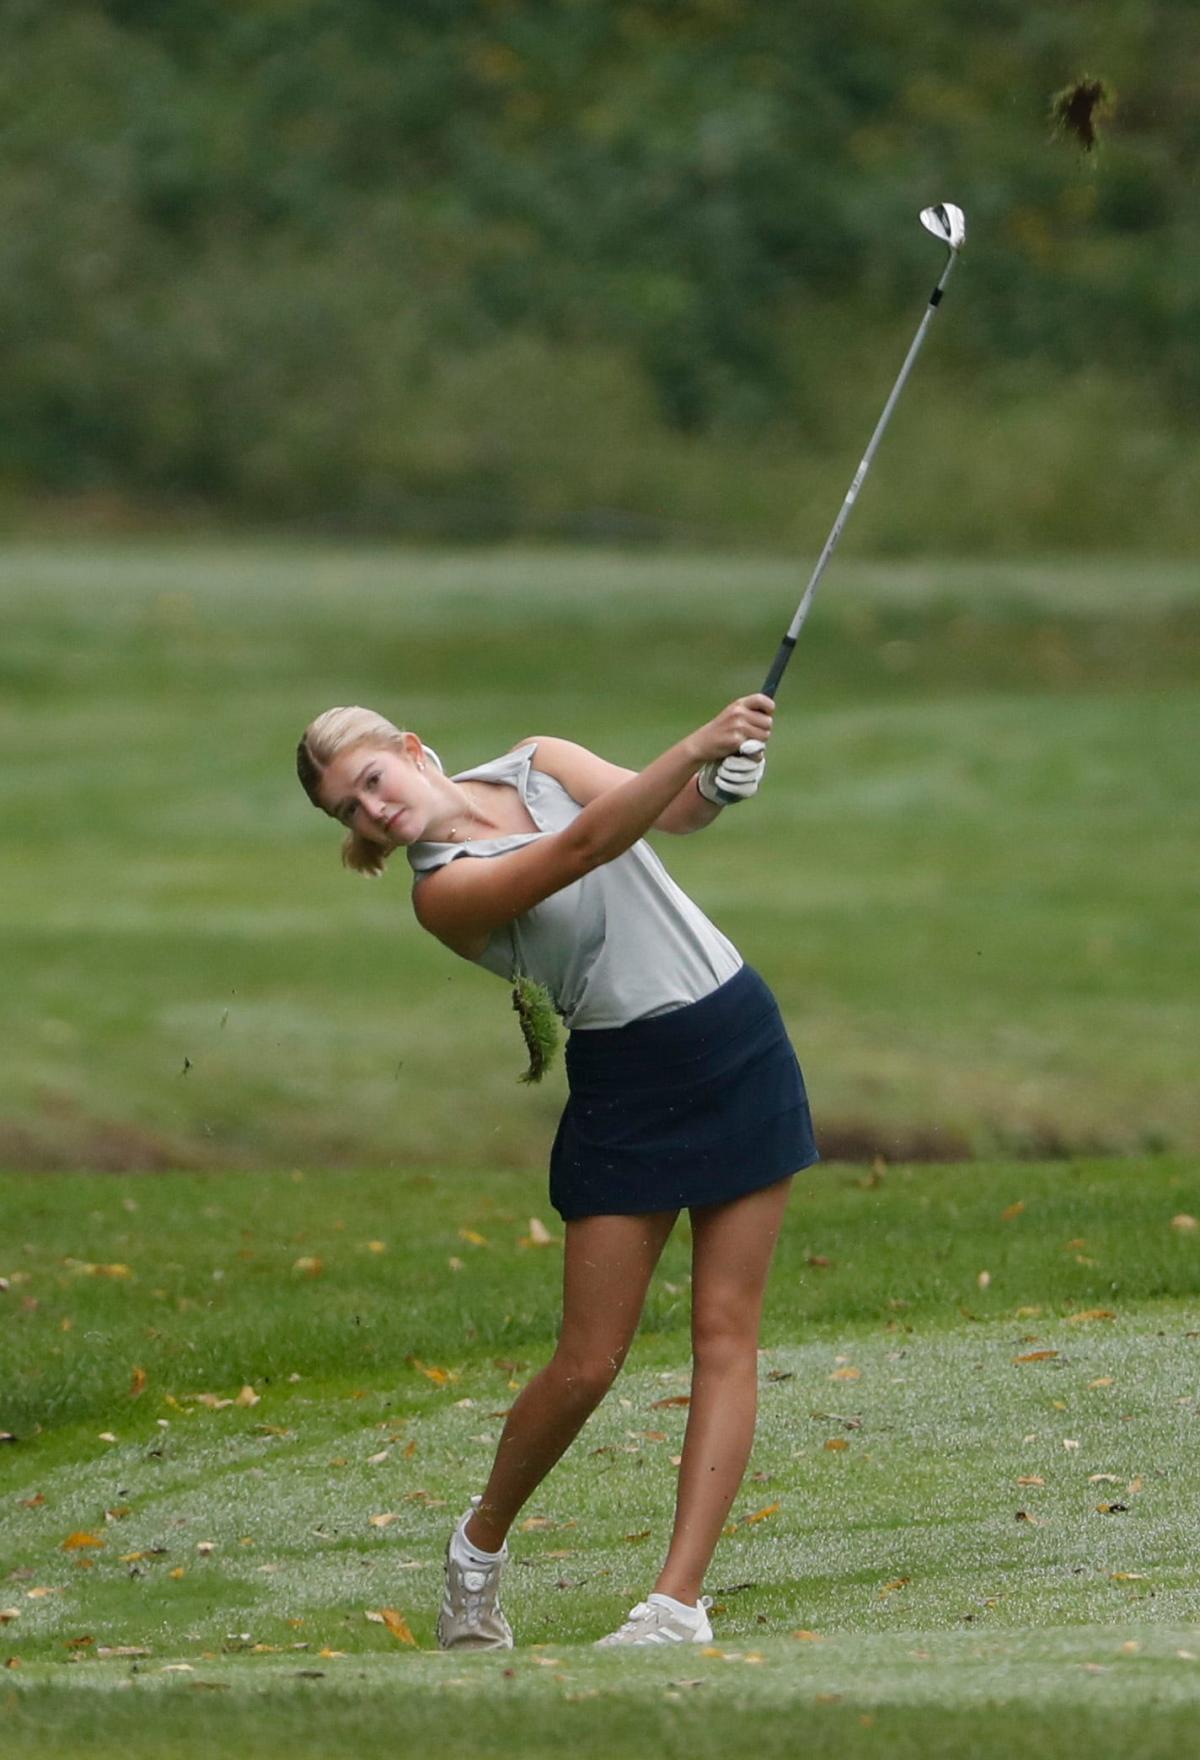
[(660, 1620), (470, 1616)]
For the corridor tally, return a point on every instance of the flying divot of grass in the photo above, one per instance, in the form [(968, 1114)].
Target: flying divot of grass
[(1080, 111), (539, 1024)]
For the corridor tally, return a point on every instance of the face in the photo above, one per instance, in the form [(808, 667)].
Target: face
[(381, 792)]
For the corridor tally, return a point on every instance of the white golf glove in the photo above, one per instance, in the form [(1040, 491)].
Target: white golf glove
[(735, 778)]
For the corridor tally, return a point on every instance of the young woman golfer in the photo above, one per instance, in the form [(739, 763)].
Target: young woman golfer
[(684, 1090)]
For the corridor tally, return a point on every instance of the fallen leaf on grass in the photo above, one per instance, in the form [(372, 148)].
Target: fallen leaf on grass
[(34, 1502), (137, 1384), (845, 1374), (1103, 1479), (384, 1520), (642, 1534), (309, 1266), (535, 1524), (1101, 1381), (81, 1643), (1091, 1314), (431, 1371), (675, 1399), (247, 1397), (1031, 1479), (1112, 1509), (1129, 1577), (807, 1637), (539, 1235), (472, 1237), (760, 1515), (395, 1622), (122, 1650), (1035, 1357), (330, 1655), (895, 1584), (75, 1542), (1023, 1515), (1013, 1211), (9, 1613), (1184, 1223), (40, 1594), (836, 1444), (1134, 1485)]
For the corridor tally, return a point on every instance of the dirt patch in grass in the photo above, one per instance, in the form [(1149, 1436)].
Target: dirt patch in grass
[(866, 1140), (86, 1145)]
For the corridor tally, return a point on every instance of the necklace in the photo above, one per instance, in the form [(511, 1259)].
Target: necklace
[(452, 835)]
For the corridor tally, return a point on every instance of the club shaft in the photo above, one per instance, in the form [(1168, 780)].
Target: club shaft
[(787, 645)]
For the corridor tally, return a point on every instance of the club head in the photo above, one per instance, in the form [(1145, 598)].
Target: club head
[(946, 222)]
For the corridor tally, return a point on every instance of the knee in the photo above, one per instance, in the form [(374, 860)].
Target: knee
[(724, 1338), (585, 1378)]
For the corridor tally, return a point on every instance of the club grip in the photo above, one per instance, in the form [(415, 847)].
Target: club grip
[(778, 667)]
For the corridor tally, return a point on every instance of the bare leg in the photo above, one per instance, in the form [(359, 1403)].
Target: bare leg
[(607, 1265), (732, 1246)]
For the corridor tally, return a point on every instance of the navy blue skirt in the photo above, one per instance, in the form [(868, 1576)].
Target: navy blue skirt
[(693, 1107)]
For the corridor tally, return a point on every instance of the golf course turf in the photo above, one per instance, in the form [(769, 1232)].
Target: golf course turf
[(247, 1409), (269, 1183)]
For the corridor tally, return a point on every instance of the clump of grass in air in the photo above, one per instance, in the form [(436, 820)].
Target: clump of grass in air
[(539, 1024), (1080, 110)]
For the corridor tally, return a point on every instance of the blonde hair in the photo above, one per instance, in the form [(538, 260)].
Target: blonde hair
[(336, 731)]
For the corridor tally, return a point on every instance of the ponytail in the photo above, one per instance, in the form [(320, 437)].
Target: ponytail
[(362, 857)]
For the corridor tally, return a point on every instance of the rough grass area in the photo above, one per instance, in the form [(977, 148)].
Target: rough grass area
[(246, 1411), (969, 876)]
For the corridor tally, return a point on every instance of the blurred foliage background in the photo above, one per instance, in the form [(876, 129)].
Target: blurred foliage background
[(597, 268)]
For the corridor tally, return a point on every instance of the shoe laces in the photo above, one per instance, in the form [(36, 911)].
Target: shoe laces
[(478, 1583)]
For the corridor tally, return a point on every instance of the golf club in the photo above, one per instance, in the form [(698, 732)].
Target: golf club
[(948, 224)]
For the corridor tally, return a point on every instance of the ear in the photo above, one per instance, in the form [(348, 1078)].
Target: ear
[(413, 750)]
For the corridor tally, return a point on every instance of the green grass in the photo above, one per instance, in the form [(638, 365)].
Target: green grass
[(942, 1618), (969, 877)]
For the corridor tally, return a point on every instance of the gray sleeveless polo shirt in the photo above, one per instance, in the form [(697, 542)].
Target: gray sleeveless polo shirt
[(620, 944)]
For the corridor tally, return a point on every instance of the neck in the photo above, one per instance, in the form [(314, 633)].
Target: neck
[(462, 819)]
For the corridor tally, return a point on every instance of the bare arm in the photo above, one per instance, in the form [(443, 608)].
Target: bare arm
[(585, 776), (464, 901)]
